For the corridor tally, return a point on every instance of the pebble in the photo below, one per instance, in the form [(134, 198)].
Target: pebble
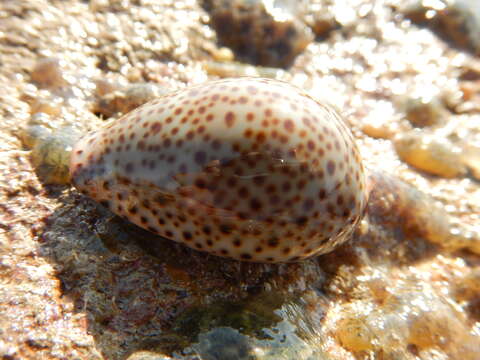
[(48, 73), (429, 153)]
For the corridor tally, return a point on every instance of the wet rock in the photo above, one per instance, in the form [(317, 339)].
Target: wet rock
[(290, 336), (258, 33), (396, 204), (429, 153), (432, 322), (354, 334), (457, 21)]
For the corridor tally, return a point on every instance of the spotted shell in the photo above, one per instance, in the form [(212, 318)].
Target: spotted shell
[(247, 168)]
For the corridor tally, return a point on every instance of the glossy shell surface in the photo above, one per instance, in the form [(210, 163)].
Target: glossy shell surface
[(247, 168)]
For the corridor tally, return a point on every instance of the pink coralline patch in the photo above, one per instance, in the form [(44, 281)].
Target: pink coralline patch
[(249, 168)]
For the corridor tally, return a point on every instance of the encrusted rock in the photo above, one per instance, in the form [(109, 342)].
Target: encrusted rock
[(262, 35)]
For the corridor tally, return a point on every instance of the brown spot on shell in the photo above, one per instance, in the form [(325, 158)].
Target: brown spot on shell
[(289, 126), (230, 119)]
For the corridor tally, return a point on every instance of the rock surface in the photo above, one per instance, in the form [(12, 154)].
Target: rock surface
[(79, 283)]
